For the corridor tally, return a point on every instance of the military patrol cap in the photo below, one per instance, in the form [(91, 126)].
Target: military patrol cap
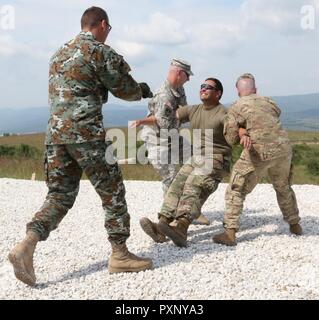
[(184, 65)]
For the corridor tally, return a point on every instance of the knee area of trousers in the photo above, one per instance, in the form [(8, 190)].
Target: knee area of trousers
[(282, 188)]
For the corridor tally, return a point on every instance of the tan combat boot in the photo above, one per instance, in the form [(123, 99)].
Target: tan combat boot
[(178, 233), (296, 229), (21, 257), (202, 220), (121, 260), (152, 230), (228, 237)]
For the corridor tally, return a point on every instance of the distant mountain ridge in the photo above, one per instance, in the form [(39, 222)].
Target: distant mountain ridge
[(31, 120), (299, 112)]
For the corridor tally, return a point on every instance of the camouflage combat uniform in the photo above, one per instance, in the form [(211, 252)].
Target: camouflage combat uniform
[(197, 180), (81, 74), (160, 152), (271, 153)]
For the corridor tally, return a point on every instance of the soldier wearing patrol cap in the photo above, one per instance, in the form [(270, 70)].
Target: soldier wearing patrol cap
[(183, 65), (253, 121), (82, 72), (162, 116)]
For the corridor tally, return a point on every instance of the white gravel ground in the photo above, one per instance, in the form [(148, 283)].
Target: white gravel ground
[(267, 263)]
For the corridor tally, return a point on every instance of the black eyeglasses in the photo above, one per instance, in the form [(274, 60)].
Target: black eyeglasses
[(207, 87), (109, 27)]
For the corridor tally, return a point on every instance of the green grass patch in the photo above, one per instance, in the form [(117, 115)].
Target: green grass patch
[(20, 151), (307, 136), (21, 156)]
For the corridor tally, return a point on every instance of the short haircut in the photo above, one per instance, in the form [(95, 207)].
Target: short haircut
[(219, 85), (246, 84), (245, 76), (92, 17)]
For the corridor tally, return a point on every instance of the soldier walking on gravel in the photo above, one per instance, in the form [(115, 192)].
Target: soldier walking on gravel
[(82, 72), (254, 122)]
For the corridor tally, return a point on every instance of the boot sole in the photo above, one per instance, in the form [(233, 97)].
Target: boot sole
[(229, 244), (147, 228), (123, 270), (20, 271), (201, 222), (179, 241), (296, 234)]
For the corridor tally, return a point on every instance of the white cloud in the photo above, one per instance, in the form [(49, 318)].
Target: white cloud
[(133, 52), (160, 29), (218, 39), (10, 47), (280, 16), (7, 45), (224, 38), (132, 49)]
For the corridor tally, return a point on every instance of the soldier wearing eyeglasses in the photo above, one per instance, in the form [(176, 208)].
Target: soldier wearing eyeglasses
[(82, 73)]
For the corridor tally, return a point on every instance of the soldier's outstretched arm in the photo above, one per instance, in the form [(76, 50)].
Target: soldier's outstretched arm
[(182, 113), (164, 113), (146, 121), (114, 74)]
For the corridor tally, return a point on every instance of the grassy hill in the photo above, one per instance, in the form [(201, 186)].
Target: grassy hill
[(21, 155)]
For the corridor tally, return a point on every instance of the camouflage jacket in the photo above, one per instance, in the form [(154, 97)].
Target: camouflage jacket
[(81, 74), (163, 106), (260, 116)]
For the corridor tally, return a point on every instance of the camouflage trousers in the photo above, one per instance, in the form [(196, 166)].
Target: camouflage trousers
[(191, 188), (246, 173), (64, 165), (166, 161)]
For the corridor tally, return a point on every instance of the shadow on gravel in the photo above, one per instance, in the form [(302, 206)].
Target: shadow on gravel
[(200, 241), (166, 253), (309, 225), (83, 272)]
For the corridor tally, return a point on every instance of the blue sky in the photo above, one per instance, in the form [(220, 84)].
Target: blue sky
[(219, 38)]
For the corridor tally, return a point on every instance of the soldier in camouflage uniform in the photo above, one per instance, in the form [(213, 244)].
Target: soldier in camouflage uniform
[(200, 177), (161, 123), (254, 122), (161, 127), (81, 74)]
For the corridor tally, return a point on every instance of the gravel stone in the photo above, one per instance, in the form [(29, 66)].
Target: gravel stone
[(267, 263)]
